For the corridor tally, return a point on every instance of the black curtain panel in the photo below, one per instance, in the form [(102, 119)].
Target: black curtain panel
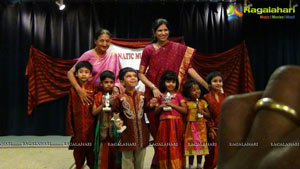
[(271, 42), (67, 34)]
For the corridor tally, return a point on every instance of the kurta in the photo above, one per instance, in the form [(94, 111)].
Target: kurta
[(214, 107), (107, 154), (131, 108), (80, 124), (106, 125)]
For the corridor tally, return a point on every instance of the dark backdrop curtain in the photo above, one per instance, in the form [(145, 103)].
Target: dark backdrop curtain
[(271, 42), (67, 34)]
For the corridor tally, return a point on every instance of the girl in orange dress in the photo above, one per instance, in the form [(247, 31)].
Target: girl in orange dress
[(195, 138)]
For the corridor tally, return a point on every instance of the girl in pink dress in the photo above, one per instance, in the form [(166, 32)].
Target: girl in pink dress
[(170, 131)]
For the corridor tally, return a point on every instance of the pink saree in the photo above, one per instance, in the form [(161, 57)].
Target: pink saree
[(107, 61)]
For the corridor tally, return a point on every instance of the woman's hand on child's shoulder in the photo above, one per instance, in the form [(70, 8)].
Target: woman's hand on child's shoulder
[(83, 94)]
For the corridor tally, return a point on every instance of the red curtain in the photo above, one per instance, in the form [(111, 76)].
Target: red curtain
[(47, 76), (234, 64)]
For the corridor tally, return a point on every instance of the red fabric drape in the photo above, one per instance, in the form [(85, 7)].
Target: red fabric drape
[(234, 64), (47, 76)]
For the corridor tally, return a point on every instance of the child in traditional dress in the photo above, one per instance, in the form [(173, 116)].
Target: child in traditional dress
[(105, 158), (135, 138), (195, 138), (80, 121), (214, 98), (171, 108)]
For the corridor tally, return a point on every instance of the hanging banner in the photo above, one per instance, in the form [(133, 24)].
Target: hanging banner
[(129, 57)]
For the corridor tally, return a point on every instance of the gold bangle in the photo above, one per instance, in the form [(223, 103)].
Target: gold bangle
[(268, 103)]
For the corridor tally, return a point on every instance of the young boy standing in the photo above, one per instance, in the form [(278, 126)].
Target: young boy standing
[(80, 121), (135, 138), (107, 154)]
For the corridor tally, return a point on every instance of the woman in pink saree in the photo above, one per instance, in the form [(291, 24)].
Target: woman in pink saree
[(158, 57), (101, 59)]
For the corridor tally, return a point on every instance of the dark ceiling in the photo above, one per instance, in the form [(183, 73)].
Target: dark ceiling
[(69, 1), (273, 2)]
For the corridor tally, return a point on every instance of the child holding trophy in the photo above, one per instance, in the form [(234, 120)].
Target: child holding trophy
[(171, 107), (105, 154), (195, 137), (135, 138)]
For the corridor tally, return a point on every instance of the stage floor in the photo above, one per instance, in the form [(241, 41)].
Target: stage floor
[(43, 152)]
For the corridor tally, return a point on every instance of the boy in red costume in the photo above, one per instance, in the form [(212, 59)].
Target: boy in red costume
[(80, 121), (105, 130)]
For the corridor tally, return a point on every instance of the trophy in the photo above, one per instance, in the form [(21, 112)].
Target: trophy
[(199, 114), (116, 118), (107, 108), (167, 98)]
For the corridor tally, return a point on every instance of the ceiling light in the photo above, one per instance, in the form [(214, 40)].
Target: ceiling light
[(60, 4)]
